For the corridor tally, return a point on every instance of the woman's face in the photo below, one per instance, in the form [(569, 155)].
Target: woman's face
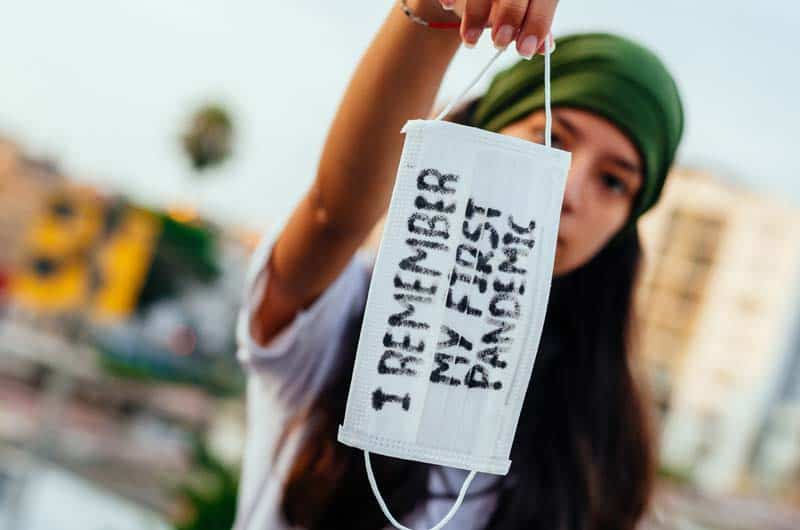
[(604, 179)]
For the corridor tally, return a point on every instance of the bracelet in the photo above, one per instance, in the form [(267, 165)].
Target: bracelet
[(422, 22)]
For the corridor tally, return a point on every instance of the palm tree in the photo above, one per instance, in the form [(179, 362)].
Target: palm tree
[(208, 139)]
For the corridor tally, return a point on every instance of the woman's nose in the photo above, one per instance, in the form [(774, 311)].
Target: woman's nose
[(575, 190)]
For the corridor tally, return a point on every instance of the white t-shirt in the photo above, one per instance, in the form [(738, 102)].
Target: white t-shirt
[(287, 375)]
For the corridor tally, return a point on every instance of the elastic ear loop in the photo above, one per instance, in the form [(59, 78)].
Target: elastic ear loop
[(547, 138)]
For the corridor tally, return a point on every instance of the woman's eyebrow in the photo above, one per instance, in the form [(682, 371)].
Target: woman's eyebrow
[(626, 165), (571, 129), (620, 162)]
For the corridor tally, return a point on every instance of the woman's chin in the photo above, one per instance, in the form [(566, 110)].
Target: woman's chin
[(559, 269), (565, 261), (560, 261)]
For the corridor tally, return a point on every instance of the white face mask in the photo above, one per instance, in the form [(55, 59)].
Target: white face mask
[(457, 301)]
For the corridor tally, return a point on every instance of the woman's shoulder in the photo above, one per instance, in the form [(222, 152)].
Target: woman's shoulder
[(312, 326)]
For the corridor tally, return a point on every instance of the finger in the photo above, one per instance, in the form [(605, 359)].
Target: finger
[(536, 26), (476, 14), (448, 4), (543, 45), (508, 18)]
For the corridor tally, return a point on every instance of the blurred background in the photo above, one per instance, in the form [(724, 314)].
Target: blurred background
[(146, 146)]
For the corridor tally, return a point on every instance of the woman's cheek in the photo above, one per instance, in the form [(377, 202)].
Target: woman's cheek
[(572, 256), (599, 226), (595, 237), (564, 262)]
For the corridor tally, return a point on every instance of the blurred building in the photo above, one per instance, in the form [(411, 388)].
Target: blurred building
[(717, 305), (116, 340), (777, 459), (24, 186)]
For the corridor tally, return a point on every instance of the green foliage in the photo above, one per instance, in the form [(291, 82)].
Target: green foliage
[(210, 493), (184, 253), (209, 138), (218, 377), (677, 476)]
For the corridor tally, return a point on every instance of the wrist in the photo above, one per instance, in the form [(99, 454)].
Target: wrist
[(431, 11)]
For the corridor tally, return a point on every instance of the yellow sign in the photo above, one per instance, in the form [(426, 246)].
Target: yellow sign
[(74, 264)]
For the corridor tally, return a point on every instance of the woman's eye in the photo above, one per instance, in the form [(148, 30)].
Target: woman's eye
[(555, 140), (614, 184)]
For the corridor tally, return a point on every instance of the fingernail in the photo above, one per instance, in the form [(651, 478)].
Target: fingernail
[(448, 4), (471, 36), (552, 46), (529, 46), (503, 36)]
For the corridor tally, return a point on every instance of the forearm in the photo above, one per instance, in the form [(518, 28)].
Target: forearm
[(396, 80)]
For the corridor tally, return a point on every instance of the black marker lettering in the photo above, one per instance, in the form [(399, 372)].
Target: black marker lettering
[(410, 263), (462, 306), (454, 338), (443, 361), (473, 208), (472, 235), (429, 227), (511, 239), (421, 203), (462, 249), (415, 287), (389, 342), (402, 319), (519, 229), (509, 264), (504, 312), (457, 276), (501, 287), (441, 181), (478, 377), (379, 399), (492, 356), (397, 364), (484, 266), (498, 336)]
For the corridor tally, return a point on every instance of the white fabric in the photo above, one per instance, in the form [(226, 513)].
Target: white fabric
[(458, 298), (288, 373)]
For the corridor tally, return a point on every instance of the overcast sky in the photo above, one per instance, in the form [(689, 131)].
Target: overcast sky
[(104, 87)]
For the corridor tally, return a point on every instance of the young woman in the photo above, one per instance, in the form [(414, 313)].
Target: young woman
[(582, 456)]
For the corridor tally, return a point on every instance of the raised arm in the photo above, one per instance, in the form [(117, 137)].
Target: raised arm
[(396, 80)]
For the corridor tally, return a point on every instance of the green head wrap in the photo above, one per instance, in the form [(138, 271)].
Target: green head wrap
[(610, 76)]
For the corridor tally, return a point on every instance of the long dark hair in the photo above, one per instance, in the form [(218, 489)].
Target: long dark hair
[(582, 456)]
